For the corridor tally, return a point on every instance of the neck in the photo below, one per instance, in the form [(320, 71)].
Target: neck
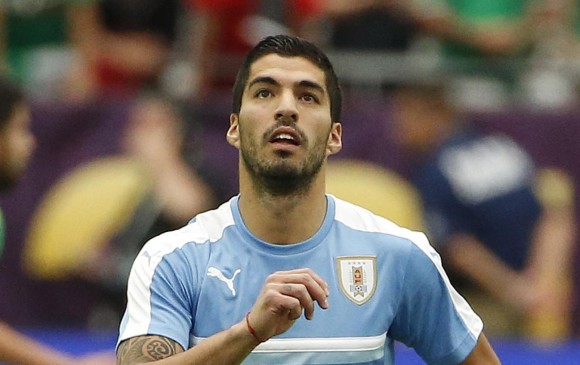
[(283, 219)]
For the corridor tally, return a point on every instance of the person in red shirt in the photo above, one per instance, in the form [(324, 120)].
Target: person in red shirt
[(225, 30)]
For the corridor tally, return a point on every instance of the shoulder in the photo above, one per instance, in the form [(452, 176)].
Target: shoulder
[(363, 221), (202, 230)]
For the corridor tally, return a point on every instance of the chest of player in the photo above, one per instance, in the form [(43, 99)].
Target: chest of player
[(362, 302)]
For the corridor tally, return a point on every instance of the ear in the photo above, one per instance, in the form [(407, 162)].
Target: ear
[(233, 134), (334, 144)]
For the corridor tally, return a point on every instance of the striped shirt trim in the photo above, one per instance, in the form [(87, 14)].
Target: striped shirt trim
[(341, 350)]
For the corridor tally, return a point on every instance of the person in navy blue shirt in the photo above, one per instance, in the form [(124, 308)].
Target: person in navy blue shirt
[(482, 210)]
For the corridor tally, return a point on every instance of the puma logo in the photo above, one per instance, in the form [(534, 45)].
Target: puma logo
[(216, 273), (149, 256)]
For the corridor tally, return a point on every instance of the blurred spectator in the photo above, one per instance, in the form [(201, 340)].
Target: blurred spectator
[(478, 32), (16, 146), (225, 29), (552, 78), (136, 42), (156, 136), (487, 43), (43, 44), (148, 187), (381, 29), (369, 25), (507, 243)]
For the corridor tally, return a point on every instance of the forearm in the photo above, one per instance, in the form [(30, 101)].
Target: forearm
[(470, 257), (553, 245), (482, 354), (85, 31), (231, 346), (16, 348), (550, 268)]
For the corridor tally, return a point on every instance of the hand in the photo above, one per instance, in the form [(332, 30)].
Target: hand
[(283, 298), (523, 294), (153, 133), (534, 293)]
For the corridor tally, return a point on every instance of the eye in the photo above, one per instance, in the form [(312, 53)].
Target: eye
[(309, 98), (263, 93)]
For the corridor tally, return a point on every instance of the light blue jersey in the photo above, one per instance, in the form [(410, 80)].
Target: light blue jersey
[(386, 284)]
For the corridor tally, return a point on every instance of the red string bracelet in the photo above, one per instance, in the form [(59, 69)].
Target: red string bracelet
[(252, 330)]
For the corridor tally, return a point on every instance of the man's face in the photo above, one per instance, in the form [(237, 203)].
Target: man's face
[(284, 129), (16, 146)]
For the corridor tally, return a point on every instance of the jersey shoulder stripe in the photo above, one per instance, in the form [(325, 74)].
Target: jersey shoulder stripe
[(207, 227), (361, 219)]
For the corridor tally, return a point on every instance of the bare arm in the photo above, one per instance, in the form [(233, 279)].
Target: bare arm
[(542, 291), (550, 269), (228, 347), (154, 136), (16, 348), (85, 32), (482, 354), (538, 292), (550, 264), (145, 349), (468, 255), (86, 38)]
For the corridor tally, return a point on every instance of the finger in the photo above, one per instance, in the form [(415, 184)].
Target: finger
[(294, 312), (323, 284), (299, 292), (274, 312), (316, 291)]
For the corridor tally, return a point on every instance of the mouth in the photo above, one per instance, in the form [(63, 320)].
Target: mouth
[(285, 135)]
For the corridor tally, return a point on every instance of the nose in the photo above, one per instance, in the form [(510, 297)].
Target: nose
[(287, 107)]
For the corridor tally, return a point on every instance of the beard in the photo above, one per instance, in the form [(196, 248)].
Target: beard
[(282, 176)]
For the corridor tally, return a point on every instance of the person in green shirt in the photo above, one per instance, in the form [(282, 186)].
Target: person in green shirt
[(492, 38), (47, 43), (17, 144)]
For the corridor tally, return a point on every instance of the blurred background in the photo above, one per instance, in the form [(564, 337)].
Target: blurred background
[(461, 115)]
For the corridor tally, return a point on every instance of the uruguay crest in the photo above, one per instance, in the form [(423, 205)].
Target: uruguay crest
[(357, 277)]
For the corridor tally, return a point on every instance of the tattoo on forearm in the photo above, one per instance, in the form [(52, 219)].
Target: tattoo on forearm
[(146, 349)]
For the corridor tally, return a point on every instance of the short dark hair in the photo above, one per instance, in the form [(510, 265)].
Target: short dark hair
[(10, 95), (290, 46)]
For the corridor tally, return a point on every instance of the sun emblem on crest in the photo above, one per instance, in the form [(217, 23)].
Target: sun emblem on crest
[(357, 277)]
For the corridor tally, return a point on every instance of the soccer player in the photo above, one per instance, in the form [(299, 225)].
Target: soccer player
[(16, 146), (241, 284)]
